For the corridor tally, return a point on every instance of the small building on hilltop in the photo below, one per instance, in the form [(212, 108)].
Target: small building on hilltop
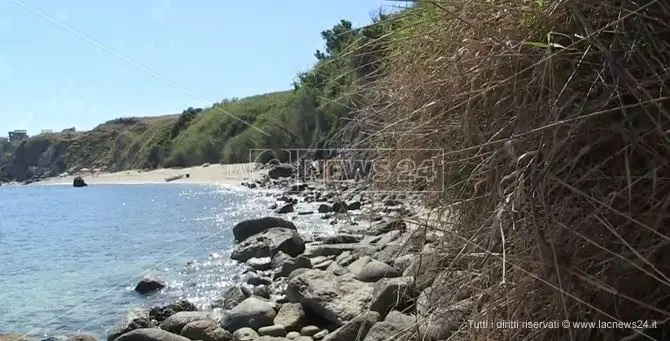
[(18, 135)]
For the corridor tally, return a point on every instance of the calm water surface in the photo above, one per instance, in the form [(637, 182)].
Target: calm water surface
[(70, 257)]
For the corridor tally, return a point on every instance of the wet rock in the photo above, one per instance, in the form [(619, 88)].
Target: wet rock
[(291, 316), (356, 329), (356, 205), (288, 208), (232, 297), (205, 330), (268, 243), (245, 334), (260, 264), (177, 321), (254, 312), (150, 334), (149, 284), (305, 212), (79, 182), (340, 207), (273, 206), (376, 270), (248, 228), (392, 293), (133, 320), (159, 314), (336, 299), (323, 208)]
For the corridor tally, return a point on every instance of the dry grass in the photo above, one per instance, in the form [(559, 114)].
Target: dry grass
[(555, 123)]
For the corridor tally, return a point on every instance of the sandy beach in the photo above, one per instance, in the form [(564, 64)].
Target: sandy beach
[(215, 174)]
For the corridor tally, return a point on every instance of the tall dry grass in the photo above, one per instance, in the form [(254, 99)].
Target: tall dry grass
[(554, 118)]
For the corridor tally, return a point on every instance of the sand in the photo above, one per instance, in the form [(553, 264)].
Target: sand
[(215, 174)]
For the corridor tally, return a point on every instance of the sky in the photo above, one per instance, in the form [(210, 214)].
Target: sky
[(75, 63)]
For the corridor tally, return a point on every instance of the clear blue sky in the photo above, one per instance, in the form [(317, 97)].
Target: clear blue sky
[(79, 63)]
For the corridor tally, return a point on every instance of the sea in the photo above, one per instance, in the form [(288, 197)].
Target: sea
[(71, 257)]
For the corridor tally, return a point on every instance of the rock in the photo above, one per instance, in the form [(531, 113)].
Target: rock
[(268, 243), (150, 334), (356, 267), (254, 312), (447, 321), (356, 205), (260, 264), (79, 182), (279, 259), (253, 279), (376, 270), (248, 228), (402, 262), (177, 321), (149, 284), (397, 317), (323, 265), (392, 293), (281, 171), (291, 316), (288, 208), (296, 273), (293, 335), (298, 188), (232, 297), (385, 226), (356, 329), (159, 314), (388, 237), (205, 330), (389, 253), (336, 299), (320, 335), (309, 330), (392, 202), (337, 269), (274, 330), (342, 239), (245, 334), (261, 291), (423, 302), (340, 207), (300, 262), (424, 268), (303, 338), (134, 320), (273, 206), (336, 249), (386, 331), (323, 208), (79, 337), (13, 337), (305, 212)]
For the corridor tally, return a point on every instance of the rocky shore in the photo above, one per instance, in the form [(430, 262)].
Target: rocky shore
[(375, 276)]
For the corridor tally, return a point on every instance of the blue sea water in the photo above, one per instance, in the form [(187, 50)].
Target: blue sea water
[(70, 257)]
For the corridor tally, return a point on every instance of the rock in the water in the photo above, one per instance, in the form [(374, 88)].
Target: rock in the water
[(392, 293), (274, 330), (245, 334), (205, 330), (309, 330), (159, 314), (232, 297), (248, 228), (134, 320), (323, 208), (281, 171), (79, 182), (288, 208), (78, 337), (149, 284), (340, 207), (150, 334), (268, 243), (177, 321), (356, 205), (356, 329), (336, 299), (291, 316), (254, 312), (376, 270)]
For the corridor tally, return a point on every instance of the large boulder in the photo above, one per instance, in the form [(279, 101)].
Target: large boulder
[(150, 334), (356, 329), (133, 320), (159, 314), (281, 171), (149, 284), (176, 322), (268, 243), (254, 312), (79, 182), (248, 228), (336, 299), (291, 316), (232, 297), (205, 330)]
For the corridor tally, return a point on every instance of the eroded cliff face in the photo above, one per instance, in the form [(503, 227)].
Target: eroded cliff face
[(35, 158)]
